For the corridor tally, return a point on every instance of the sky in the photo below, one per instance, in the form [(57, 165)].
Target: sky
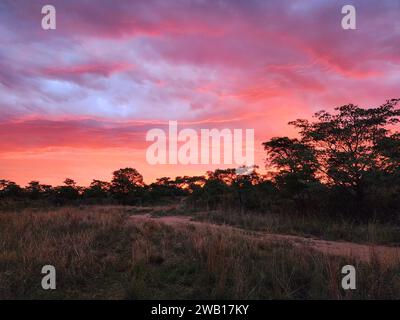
[(78, 101)]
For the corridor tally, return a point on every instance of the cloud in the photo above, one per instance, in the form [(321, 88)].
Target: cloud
[(112, 69), (104, 70)]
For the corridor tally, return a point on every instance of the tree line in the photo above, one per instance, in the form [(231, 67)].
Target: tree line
[(345, 163)]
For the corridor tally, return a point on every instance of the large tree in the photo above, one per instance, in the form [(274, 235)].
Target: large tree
[(126, 180), (293, 163), (340, 148)]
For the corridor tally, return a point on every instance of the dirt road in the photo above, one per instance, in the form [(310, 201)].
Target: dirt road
[(363, 252)]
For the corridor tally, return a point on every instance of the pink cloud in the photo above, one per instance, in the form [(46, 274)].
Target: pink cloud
[(104, 70)]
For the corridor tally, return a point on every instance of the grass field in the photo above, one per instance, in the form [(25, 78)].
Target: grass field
[(327, 228), (100, 252)]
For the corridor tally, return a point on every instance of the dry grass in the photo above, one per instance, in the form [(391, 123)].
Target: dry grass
[(99, 253), (322, 227), (90, 250), (188, 261)]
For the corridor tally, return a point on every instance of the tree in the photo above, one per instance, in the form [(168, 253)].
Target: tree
[(126, 185), (346, 143), (9, 189), (69, 192), (226, 176), (70, 183), (294, 164), (350, 150), (242, 186), (97, 190), (165, 189), (36, 190), (388, 147), (191, 184)]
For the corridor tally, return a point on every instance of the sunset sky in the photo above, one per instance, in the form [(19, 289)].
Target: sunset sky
[(77, 101)]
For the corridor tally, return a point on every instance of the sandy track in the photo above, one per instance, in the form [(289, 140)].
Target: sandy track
[(363, 252)]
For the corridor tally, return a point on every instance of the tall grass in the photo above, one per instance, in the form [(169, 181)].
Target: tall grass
[(323, 227), (89, 249), (189, 262), (102, 253)]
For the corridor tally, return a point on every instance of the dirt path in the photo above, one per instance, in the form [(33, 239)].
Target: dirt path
[(384, 254)]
